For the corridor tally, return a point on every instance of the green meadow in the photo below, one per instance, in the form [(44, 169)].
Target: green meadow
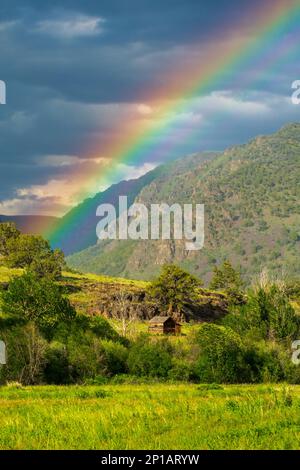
[(153, 416)]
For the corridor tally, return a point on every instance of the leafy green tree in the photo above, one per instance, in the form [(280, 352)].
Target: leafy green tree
[(220, 355), (175, 288), (267, 314), (50, 265), (283, 321), (26, 350), (24, 249), (228, 279), (8, 233), (34, 252), (30, 298)]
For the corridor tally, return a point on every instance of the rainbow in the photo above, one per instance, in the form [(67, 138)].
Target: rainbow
[(269, 45)]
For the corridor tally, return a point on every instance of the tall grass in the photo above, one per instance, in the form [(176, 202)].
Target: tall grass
[(158, 416)]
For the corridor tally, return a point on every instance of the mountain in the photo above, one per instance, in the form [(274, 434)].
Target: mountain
[(31, 224), (251, 194), (77, 229)]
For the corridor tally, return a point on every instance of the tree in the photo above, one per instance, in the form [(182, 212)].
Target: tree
[(123, 314), (175, 288), (220, 355), (277, 313), (267, 314), (50, 265), (34, 252), (30, 298), (228, 279), (26, 350), (283, 319), (8, 233)]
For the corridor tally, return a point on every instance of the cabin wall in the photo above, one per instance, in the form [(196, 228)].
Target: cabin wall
[(156, 329)]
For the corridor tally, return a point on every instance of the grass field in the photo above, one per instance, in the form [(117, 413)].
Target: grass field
[(150, 417)]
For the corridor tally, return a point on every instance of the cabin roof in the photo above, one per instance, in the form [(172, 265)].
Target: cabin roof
[(160, 319)]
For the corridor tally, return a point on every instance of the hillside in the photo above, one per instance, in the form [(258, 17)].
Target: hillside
[(251, 194), (99, 295), (77, 229)]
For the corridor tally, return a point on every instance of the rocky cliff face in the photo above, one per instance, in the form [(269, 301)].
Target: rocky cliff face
[(114, 300)]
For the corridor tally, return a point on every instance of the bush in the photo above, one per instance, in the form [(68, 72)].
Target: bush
[(99, 326), (26, 355), (57, 367), (115, 357), (85, 356), (264, 361), (220, 355), (181, 370), (150, 358)]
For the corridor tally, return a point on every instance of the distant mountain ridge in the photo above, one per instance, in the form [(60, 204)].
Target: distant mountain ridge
[(31, 224), (77, 229), (251, 194)]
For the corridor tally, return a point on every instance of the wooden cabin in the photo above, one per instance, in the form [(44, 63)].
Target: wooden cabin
[(164, 326)]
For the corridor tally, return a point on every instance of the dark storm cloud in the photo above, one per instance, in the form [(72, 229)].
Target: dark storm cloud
[(118, 64), (73, 68)]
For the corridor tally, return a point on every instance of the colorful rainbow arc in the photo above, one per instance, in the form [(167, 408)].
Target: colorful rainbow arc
[(138, 145)]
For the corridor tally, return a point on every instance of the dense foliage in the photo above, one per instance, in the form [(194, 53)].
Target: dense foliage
[(174, 288), (229, 280), (30, 298), (48, 341), (29, 251)]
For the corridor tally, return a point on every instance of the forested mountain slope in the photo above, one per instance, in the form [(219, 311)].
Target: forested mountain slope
[(251, 194)]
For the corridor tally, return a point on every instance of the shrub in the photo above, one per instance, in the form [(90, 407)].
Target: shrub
[(181, 370), (85, 356), (220, 355), (99, 326), (57, 367), (115, 357), (26, 350), (150, 358), (264, 361)]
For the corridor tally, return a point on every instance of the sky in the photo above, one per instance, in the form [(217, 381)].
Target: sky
[(76, 71)]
